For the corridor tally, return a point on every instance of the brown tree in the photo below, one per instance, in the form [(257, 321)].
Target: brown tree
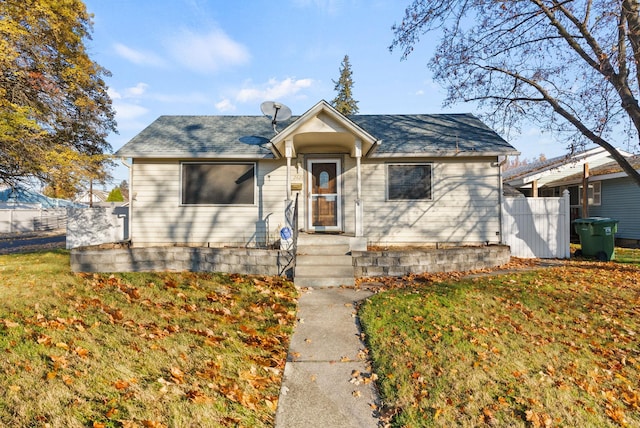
[(569, 66), (52, 95)]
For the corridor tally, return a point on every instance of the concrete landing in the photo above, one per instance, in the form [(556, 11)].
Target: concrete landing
[(327, 379)]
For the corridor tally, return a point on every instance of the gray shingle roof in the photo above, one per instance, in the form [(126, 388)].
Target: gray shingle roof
[(432, 133), (202, 136), (248, 136)]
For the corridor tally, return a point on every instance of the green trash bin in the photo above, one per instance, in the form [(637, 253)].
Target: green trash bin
[(597, 237)]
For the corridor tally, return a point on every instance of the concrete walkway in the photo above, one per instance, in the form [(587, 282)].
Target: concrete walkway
[(327, 379)]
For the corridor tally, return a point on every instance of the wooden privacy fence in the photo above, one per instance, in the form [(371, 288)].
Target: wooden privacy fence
[(537, 227)]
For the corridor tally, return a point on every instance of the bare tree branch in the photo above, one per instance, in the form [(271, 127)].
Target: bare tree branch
[(563, 64)]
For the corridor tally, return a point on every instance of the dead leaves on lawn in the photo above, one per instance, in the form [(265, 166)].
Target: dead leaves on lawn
[(230, 335), (575, 329)]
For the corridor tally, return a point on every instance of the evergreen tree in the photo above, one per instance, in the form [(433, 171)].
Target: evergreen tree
[(115, 195), (344, 102)]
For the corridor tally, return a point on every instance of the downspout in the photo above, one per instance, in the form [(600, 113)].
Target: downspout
[(501, 196), (288, 154), (128, 238), (359, 227)]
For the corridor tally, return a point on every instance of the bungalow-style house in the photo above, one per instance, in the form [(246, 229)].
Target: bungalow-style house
[(379, 179), (611, 193)]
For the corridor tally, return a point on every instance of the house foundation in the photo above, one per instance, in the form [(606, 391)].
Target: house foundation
[(255, 261)]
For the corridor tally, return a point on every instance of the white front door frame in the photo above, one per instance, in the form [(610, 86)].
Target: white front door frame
[(332, 196)]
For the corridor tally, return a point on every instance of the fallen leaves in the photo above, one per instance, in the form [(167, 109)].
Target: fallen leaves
[(171, 340), (556, 346)]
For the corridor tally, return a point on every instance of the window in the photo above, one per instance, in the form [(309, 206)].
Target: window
[(218, 183), (594, 193), (324, 180), (409, 181)]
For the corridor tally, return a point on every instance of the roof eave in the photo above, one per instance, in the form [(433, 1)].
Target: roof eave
[(442, 154), (191, 155)]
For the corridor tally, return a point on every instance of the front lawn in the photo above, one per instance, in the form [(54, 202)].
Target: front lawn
[(139, 350), (551, 347)]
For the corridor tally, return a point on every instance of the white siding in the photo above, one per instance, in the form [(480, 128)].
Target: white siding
[(465, 206), (157, 217)]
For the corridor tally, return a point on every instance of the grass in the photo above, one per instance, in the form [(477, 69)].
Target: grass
[(139, 350), (622, 255), (628, 255), (552, 347)]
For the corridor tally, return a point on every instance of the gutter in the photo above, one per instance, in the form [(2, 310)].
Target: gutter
[(373, 148), (275, 150)]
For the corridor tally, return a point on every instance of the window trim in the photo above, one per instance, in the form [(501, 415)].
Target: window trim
[(254, 165), (597, 193), (388, 181)]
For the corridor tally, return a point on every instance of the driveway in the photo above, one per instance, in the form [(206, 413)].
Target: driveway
[(27, 242)]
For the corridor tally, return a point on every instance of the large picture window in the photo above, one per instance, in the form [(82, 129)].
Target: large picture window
[(218, 183), (409, 181)]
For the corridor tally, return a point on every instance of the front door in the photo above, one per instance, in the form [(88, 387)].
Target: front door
[(325, 201)]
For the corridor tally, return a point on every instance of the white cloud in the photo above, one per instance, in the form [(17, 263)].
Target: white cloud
[(326, 6), (113, 94), (273, 90), (207, 53), (138, 57), (136, 91), (128, 111), (183, 98), (225, 106)]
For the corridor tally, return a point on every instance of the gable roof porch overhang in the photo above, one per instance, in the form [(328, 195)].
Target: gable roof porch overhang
[(322, 129)]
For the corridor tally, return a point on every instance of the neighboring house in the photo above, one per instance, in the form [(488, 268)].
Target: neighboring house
[(24, 210), (381, 179), (20, 197), (92, 197), (611, 193)]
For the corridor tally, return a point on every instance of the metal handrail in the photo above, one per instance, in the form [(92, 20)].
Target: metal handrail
[(287, 257)]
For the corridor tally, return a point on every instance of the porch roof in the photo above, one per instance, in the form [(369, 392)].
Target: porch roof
[(557, 170), (251, 137)]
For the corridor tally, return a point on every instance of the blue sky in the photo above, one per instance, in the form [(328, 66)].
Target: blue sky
[(202, 57)]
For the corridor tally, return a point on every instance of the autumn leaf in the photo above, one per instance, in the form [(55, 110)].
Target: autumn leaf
[(153, 424), (121, 384), (43, 339), (198, 397), (616, 414), (177, 375), (81, 352), (10, 324)]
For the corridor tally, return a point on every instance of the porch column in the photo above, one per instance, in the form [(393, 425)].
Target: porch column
[(358, 155), (288, 152), (534, 189)]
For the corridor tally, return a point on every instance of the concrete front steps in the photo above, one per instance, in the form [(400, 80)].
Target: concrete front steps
[(323, 261)]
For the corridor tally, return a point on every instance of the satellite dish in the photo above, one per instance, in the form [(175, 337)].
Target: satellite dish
[(276, 112)]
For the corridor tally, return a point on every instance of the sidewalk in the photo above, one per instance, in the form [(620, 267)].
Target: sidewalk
[(327, 379)]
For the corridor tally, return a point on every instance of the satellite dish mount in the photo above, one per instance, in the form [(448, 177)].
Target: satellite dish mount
[(275, 111)]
